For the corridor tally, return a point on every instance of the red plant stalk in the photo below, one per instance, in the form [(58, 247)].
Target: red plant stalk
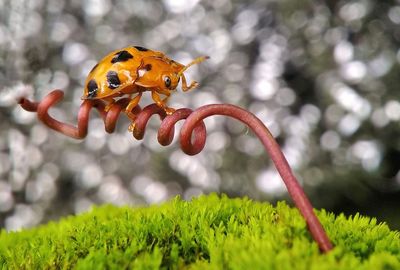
[(192, 139)]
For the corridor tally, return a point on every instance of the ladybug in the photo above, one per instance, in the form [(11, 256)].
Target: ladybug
[(134, 70)]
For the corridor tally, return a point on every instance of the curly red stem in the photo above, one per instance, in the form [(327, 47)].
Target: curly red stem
[(192, 138), (295, 190), (110, 118)]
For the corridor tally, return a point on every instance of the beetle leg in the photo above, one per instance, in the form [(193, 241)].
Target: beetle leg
[(186, 88), (110, 102), (132, 104), (128, 110), (162, 102)]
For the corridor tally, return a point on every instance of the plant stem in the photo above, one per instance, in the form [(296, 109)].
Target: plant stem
[(295, 190), (192, 126)]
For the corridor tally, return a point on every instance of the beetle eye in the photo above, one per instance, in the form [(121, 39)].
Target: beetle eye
[(167, 81)]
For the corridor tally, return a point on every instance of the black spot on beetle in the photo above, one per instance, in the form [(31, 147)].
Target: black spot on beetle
[(148, 67), (121, 56), (113, 80), (142, 49), (92, 89)]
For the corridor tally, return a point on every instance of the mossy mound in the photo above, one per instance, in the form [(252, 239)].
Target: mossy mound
[(209, 232)]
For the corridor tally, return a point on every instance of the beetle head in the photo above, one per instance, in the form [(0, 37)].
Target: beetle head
[(170, 77), (164, 76)]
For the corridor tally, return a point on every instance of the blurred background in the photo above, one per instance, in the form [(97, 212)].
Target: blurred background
[(323, 76)]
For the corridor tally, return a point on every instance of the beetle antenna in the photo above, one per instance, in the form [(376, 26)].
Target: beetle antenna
[(195, 61)]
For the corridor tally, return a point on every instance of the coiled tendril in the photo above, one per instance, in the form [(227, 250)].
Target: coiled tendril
[(192, 138)]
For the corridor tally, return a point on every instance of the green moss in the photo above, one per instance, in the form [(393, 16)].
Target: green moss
[(209, 232)]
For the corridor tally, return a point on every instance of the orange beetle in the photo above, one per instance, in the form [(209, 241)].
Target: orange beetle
[(133, 70)]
